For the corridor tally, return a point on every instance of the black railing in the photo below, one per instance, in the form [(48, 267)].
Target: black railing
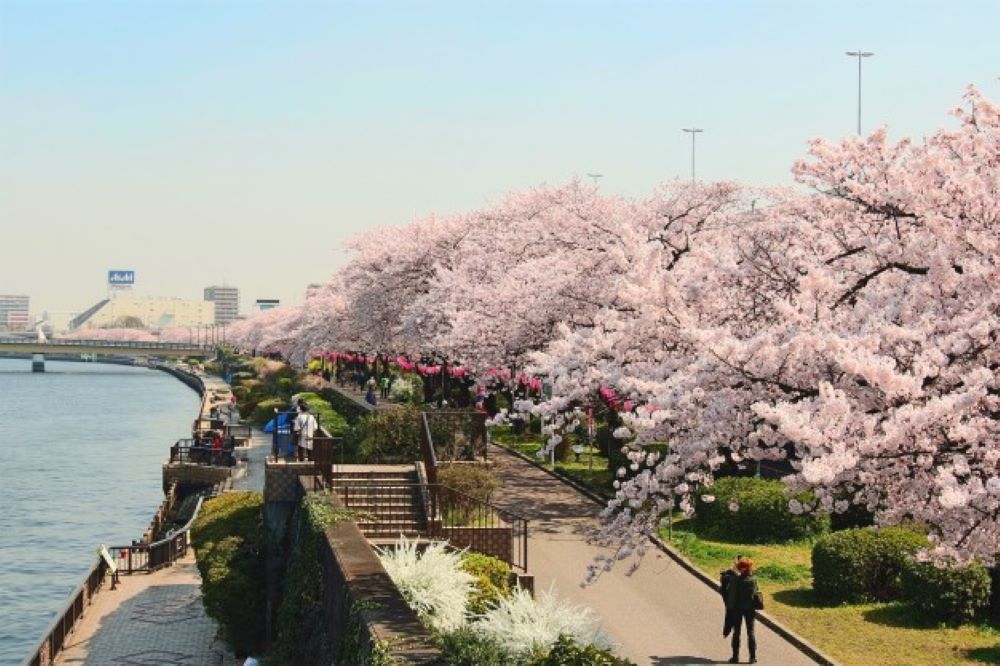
[(141, 557), (190, 451), (162, 514), (457, 435), (427, 451), (124, 344), (66, 620), (437, 512)]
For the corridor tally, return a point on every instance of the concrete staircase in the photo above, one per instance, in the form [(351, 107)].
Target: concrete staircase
[(390, 497)]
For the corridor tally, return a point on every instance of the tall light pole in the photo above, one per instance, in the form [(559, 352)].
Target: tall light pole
[(693, 131), (860, 55), (595, 176)]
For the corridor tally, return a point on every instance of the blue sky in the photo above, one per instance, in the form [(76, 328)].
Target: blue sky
[(200, 141)]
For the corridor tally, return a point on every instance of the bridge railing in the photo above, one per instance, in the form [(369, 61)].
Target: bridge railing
[(117, 344)]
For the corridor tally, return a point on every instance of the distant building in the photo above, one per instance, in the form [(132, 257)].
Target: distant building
[(14, 312), (265, 304), (127, 311), (227, 303)]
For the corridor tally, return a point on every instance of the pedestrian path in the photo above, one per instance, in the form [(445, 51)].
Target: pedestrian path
[(155, 618), (354, 394), (249, 473), (659, 615)]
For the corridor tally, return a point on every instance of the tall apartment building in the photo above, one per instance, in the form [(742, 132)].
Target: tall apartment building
[(14, 312), (227, 303)]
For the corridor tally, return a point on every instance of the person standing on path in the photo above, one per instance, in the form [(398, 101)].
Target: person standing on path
[(725, 581), (743, 600), (305, 427), (385, 382)]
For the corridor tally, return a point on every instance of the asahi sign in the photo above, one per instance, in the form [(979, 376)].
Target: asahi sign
[(121, 278)]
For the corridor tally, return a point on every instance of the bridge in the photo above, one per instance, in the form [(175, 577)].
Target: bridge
[(38, 349)]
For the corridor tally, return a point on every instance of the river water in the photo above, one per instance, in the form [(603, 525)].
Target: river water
[(80, 452)]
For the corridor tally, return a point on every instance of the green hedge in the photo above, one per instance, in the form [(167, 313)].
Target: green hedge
[(763, 515), (863, 564), (301, 635), (394, 436), (229, 538), (331, 420), (351, 410), (264, 410), (947, 594)]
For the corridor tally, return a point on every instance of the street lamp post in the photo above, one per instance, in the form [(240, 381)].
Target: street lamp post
[(860, 55), (692, 131)]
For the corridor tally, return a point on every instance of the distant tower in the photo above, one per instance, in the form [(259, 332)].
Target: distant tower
[(227, 303)]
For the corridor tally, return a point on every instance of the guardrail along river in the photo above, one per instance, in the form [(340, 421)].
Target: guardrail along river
[(81, 448)]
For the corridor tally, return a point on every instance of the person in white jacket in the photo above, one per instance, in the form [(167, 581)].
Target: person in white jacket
[(305, 427)]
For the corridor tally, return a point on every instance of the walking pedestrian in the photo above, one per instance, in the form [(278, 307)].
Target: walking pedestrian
[(385, 382), (370, 396), (743, 600), (304, 427)]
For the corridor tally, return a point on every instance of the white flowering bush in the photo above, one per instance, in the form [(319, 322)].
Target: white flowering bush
[(432, 582), (524, 625), (401, 390)]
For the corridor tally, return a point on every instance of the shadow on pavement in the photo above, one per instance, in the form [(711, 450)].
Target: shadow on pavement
[(660, 661)]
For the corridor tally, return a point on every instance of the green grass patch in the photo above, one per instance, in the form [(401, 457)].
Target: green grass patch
[(589, 470)]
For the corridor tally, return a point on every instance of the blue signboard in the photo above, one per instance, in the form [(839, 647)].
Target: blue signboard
[(121, 278)]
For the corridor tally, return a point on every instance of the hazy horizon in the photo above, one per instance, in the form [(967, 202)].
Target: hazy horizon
[(202, 143)]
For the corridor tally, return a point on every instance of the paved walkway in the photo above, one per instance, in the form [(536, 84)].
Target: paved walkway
[(249, 473), (150, 619), (659, 615)]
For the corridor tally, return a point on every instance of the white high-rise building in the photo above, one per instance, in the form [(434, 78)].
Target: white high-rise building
[(227, 303)]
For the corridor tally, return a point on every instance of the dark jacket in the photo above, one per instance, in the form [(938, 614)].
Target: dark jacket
[(740, 594)]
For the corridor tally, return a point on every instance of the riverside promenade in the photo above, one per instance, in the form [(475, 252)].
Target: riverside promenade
[(661, 614), (155, 618)]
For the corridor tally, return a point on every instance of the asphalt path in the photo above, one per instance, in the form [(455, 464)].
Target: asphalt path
[(661, 614)]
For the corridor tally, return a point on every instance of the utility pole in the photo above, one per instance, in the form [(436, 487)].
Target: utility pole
[(693, 131), (860, 55)]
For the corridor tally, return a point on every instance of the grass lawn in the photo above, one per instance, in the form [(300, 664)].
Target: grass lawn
[(590, 470), (889, 634)]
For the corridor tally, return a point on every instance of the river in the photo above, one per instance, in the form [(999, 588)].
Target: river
[(81, 448)]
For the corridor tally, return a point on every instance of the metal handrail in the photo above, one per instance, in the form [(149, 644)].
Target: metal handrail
[(124, 344), (386, 505), (427, 451), (54, 639), (174, 546)]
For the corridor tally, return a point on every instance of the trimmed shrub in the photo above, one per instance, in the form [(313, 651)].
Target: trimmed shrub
[(465, 647), (300, 635), (331, 420), (762, 514), (391, 436), (567, 652), (491, 581), (264, 410), (471, 479), (863, 564), (948, 594), (228, 538)]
